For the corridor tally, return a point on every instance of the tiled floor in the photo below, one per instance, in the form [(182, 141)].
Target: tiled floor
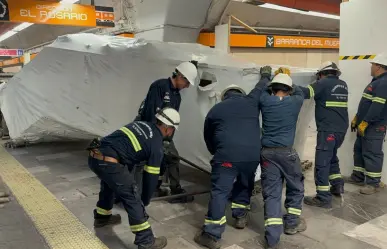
[(359, 222)]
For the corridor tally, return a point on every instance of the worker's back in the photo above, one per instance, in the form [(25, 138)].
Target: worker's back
[(232, 130), (279, 118)]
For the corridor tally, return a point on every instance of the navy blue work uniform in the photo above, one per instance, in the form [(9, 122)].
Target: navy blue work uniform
[(232, 135), (163, 94), (368, 150), (331, 114), (280, 161), (133, 143)]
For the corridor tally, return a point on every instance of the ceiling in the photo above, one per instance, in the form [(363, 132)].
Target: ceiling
[(252, 15), (256, 16)]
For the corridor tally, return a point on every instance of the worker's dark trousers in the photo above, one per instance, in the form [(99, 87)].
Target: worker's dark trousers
[(171, 165), (223, 175), (327, 169), (278, 164), (116, 179), (368, 155)]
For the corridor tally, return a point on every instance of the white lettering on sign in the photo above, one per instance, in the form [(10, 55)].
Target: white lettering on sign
[(61, 15), (26, 13), (332, 43), (302, 42)]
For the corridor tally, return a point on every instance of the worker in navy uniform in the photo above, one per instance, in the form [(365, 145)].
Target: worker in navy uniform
[(166, 93), (370, 122), (331, 97), (113, 160), (280, 105), (232, 135)]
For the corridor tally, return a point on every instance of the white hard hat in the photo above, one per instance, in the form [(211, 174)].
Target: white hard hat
[(169, 116), (282, 78), (380, 59), (329, 66), (189, 71), (232, 87)]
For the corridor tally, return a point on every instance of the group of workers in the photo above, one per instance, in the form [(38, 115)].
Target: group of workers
[(233, 135)]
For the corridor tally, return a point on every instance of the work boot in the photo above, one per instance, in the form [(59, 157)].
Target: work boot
[(241, 222), (301, 227), (206, 240), (351, 180), (162, 192), (183, 199), (105, 220), (158, 243), (314, 201), (263, 242), (337, 190), (369, 190)]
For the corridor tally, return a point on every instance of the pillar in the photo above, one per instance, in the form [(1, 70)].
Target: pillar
[(362, 32)]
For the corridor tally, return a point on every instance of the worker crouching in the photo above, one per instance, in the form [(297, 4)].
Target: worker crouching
[(113, 160), (280, 105), (232, 136)]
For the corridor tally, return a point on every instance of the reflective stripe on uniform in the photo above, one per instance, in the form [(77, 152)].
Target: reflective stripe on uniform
[(360, 169), (152, 170), (373, 174), (273, 221), (336, 104), (323, 188), (236, 205), (215, 222), (294, 211), (335, 176), (379, 100), (132, 137), (367, 96), (102, 211), (311, 91), (141, 227)]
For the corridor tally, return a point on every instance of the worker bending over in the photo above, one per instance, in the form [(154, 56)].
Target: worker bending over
[(331, 97), (166, 93), (370, 122), (232, 136), (279, 161), (113, 160)]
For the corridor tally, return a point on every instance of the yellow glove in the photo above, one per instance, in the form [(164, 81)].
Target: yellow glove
[(353, 124), (282, 70), (362, 128)]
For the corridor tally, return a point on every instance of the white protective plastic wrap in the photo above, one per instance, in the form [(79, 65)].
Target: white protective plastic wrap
[(85, 85)]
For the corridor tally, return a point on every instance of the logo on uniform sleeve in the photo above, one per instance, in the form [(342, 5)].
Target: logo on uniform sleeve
[(331, 137), (227, 165), (369, 88)]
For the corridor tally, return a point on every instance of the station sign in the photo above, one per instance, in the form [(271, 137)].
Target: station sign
[(56, 13), (273, 41), (11, 52)]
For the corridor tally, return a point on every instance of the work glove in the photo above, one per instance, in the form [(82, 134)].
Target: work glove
[(265, 72), (353, 124), (282, 70), (167, 147), (362, 128)]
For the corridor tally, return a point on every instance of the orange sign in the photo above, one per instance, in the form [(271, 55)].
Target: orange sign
[(58, 13), (305, 42), (272, 41)]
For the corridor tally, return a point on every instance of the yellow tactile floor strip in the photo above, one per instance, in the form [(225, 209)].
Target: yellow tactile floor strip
[(60, 228)]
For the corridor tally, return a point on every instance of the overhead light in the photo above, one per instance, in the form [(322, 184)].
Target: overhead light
[(22, 26), (25, 25), (309, 13), (7, 34)]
